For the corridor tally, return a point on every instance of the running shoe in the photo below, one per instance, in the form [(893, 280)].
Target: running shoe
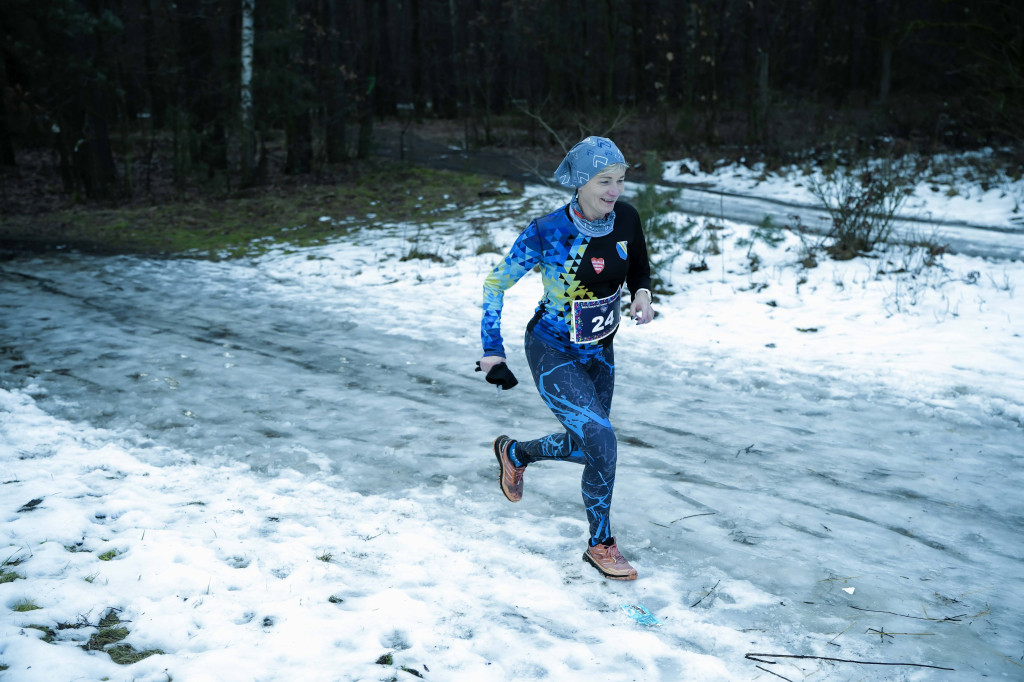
[(509, 475), (608, 562)]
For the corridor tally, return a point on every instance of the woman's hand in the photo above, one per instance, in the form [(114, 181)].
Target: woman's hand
[(497, 372), (640, 309), (488, 361)]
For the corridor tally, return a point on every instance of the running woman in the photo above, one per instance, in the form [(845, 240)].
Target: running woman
[(586, 251)]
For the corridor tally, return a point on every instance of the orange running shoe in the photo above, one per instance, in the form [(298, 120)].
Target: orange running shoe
[(509, 475), (608, 562)]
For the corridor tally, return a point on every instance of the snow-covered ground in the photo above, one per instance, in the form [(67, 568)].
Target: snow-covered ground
[(280, 469), (972, 204), (944, 189)]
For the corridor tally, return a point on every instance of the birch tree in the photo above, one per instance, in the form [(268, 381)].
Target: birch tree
[(248, 137)]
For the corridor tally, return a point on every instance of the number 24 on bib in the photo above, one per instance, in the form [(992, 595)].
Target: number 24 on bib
[(593, 320)]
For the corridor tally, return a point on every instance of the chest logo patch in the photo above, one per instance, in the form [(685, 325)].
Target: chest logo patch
[(623, 251), (598, 264)]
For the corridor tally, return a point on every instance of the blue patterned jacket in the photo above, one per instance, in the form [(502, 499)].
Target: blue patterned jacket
[(573, 267)]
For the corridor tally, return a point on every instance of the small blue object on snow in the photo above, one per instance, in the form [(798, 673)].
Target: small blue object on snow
[(640, 614)]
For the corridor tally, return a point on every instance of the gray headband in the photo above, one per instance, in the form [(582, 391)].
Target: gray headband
[(586, 159)]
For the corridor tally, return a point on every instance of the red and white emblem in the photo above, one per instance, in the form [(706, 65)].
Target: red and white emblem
[(598, 264)]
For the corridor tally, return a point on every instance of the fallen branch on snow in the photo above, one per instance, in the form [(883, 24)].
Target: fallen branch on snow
[(760, 658), (661, 525), (948, 619), (705, 596), (771, 673), (882, 634)]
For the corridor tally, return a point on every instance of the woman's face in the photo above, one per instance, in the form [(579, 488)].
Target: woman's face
[(598, 196)]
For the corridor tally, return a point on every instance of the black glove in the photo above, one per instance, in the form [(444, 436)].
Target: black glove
[(500, 375)]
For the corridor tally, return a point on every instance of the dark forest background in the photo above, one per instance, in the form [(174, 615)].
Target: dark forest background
[(112, 93)]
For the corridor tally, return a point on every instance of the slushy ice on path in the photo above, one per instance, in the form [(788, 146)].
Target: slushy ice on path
[(776, 501)]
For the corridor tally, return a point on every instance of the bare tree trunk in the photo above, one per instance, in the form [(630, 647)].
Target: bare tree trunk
[(6, 145), (369, 79), (762, 83), (335, 98), (384, 68), (453, 23), (91, 107), (418, 60), (92, 156), (248, 137), (885, 80), (761, 24), (638, 51), (609, 53), (298, 122)]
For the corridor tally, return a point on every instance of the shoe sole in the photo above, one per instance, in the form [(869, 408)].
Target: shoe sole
[(501, 469), (606, 574)]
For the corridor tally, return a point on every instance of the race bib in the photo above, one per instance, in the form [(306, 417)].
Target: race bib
[(592, 320)]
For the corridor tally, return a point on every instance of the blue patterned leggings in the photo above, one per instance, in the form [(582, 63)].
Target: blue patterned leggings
[(579, 393)]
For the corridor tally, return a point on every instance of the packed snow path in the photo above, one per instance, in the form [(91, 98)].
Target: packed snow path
[(807, 510)]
